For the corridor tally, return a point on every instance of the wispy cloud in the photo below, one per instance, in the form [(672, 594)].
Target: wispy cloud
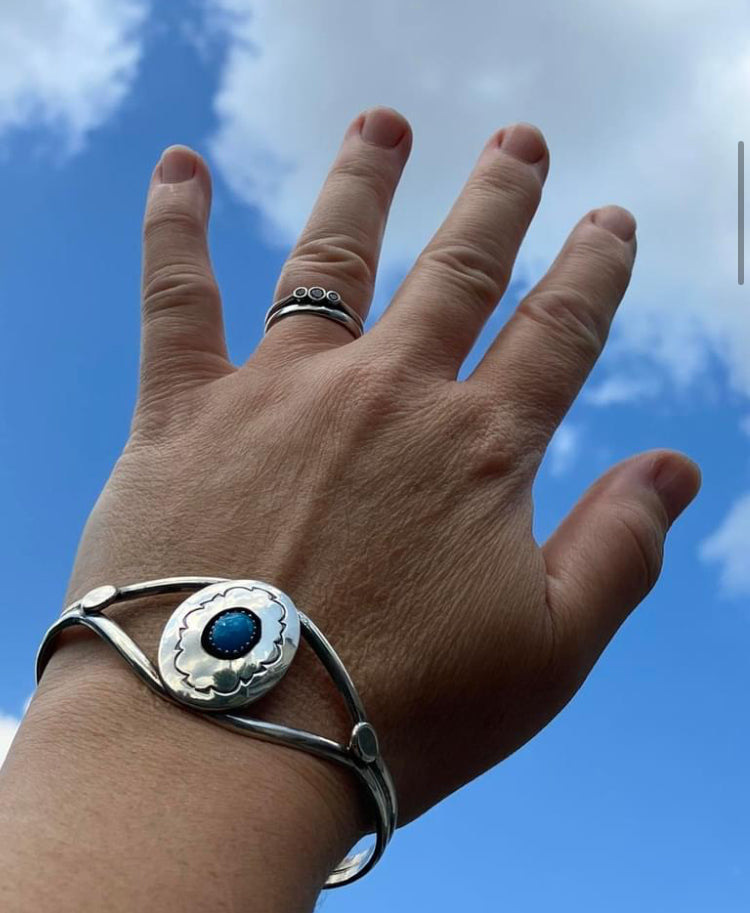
[(564, 449), (729, 547), (620, 389), (67, 65), (296, 72)]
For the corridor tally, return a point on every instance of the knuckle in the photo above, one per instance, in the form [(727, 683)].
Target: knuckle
[(646, 541), (472, 270), (601, 252), (373, 399), (509, 183), (375, 385), (571, 318), (178, 284), (338, 256), (361, 399), (485, 424), (368, 175), (170, 221)]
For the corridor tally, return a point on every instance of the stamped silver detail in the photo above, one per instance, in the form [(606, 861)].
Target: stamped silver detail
[(195, 676)]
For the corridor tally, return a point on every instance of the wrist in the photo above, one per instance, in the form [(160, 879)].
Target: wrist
[(256, 810)]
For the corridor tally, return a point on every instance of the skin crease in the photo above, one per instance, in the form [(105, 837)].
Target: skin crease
[(390, 501)]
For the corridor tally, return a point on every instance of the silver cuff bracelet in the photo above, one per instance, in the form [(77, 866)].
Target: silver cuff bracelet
[(225, 646)]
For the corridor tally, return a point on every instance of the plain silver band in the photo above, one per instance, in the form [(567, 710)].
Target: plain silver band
[(342, 313), (372, 773)]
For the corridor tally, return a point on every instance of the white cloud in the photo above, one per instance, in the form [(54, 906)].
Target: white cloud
[(642, 102), (66, 64), (729, 546), (8, 727), (620, 388), (564, 449)]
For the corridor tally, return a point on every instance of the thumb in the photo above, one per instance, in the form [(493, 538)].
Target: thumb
[(607, 554)]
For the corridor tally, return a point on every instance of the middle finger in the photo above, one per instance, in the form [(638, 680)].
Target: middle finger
[(460, 276)]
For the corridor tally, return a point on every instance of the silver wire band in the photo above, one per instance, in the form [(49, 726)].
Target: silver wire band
[(361, 755), (315, 300)]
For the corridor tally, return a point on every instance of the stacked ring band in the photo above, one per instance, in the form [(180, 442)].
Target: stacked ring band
[(225, 646), (315, 300)]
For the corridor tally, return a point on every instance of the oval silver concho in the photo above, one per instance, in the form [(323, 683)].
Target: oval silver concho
[(228, 643)]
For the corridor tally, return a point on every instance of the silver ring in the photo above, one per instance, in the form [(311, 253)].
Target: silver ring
[(192, 653), (315, 300)]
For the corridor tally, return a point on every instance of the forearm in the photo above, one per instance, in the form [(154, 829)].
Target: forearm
[(124, 795)]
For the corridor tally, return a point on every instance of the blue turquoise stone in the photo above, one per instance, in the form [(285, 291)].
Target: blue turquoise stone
[(231, 634)]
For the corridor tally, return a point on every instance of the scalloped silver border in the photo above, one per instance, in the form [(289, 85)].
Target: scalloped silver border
[(193, 676)]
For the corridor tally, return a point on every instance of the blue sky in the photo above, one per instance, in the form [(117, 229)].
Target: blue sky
[(636, 796)]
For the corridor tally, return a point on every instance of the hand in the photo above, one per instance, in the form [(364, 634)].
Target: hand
[(390, 501)]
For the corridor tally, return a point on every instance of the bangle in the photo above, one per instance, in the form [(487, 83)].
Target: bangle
[(225, 646)]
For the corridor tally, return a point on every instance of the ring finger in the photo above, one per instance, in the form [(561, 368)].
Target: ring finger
[(340, 245), (460, 276)]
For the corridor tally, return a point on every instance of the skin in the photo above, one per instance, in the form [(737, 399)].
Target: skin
[(392, 502)]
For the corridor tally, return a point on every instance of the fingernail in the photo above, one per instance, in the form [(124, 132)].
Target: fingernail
[(526, 143), (617, 220), (677, 481), (383, 127), (177, 164), (523, 142)]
